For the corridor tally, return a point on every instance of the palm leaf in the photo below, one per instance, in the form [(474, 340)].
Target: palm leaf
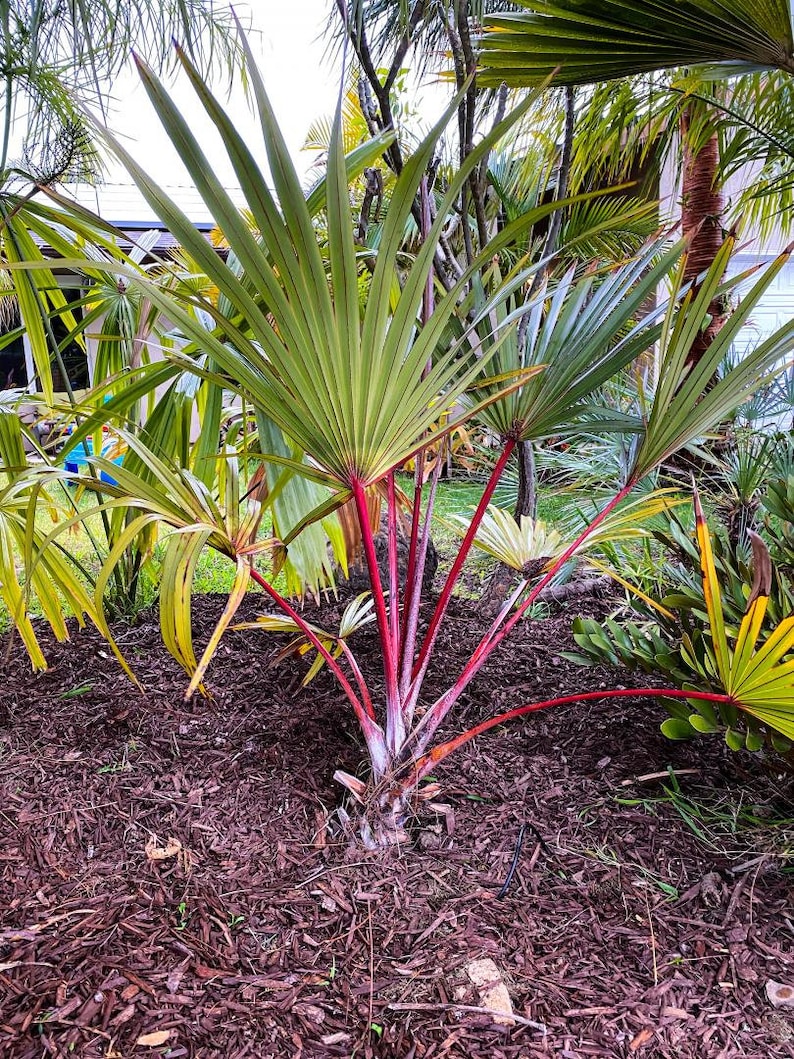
[(589, 41), (355, 419), (757, 674), (583, 331), (688, 402)]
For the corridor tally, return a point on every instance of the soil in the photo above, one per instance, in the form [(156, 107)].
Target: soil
[(169, 884)]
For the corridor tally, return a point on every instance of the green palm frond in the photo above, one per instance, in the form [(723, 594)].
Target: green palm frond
[(530, 544), (31, 573), (526, 546), (158, 494), (583, 331), (689, 400), (620, 226), (349, 388), (589, 41)]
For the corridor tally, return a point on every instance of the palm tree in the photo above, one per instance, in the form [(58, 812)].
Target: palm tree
[(598, 40), (56, 54), (357, 386)]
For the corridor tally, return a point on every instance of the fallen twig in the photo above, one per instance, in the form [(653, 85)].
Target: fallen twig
[(472, 1009), (649, 777)]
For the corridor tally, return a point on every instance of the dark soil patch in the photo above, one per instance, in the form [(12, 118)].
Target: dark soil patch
[(626, 930)]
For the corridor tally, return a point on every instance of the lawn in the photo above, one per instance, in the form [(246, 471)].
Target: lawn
[(215, 573)]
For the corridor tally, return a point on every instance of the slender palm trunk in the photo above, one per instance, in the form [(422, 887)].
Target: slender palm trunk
[(702, 206)]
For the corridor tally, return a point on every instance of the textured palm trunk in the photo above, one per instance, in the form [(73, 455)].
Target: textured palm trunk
[(702, 205)]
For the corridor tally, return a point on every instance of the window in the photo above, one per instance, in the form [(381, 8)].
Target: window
[(13, 368)]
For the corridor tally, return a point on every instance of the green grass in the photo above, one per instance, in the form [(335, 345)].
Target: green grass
[(215, 573), (727, 823)]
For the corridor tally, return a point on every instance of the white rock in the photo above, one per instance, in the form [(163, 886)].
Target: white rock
[(487, 980)]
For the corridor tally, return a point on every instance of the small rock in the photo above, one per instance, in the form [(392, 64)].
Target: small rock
[(780, 994), (487, 980)]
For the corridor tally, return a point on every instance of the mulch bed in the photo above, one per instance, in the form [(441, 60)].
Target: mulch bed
[(168, 885)]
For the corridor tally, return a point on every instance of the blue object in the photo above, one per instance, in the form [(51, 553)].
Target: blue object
[(77, 460)]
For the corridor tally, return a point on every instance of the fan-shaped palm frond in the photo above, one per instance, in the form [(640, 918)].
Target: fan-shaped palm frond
[(351, 391), (584, 331), (588, 41)]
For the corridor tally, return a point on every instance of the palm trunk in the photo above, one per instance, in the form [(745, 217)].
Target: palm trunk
[(702, 206)]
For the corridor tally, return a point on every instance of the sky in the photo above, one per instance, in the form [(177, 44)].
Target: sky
[(300, 78)]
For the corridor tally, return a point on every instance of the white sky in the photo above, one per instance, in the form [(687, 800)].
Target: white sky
[(301, 81)]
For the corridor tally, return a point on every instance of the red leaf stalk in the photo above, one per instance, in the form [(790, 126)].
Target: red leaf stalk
[(394, 726), (413, 544), (415, 580), (366, 698), (446, 593), (426, 728), (394, 590), (426, 762)]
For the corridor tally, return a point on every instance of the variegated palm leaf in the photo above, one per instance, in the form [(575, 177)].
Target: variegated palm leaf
[(531, 545), (358, 613), (758, 673)]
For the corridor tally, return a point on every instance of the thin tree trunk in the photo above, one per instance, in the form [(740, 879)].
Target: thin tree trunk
[(702, 206), (502, 578), (526, 502)]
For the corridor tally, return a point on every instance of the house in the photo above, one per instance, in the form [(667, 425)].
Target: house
[(123, 206)]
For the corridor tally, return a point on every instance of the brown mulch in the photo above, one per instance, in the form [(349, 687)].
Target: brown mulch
[(168, 885)]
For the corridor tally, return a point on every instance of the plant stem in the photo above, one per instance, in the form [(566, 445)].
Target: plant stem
[(415, 583), (426, 728), (394, 726), (446, 593), (394, 592), (359, 676), (427, 762)]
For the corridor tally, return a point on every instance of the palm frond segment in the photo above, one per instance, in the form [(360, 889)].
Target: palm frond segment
[(756, 671), (589, 41)]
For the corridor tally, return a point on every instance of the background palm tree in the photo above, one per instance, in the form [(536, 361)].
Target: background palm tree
[(596, 41), (54, 54)]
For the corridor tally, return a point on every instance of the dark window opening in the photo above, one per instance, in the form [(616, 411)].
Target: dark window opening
[(13, 372), (13, 369), (72, 355)]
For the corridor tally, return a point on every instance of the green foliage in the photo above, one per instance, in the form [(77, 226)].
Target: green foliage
[(530, 545), (30, 571), (693, 645), (583, 332), (587, 41)]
